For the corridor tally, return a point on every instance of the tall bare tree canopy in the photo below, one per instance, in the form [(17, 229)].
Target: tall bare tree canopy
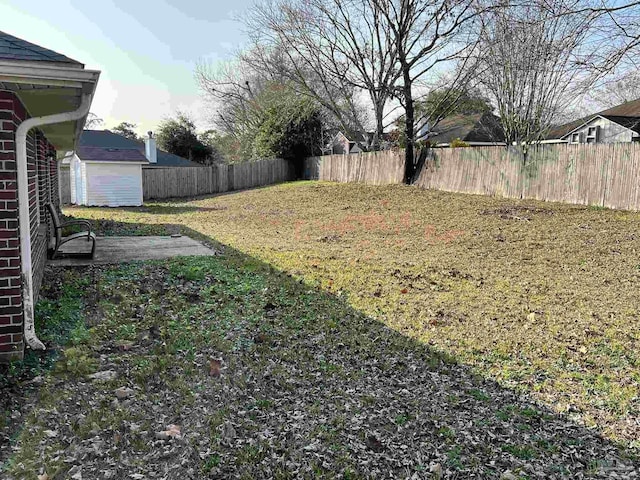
[(425, 34), (621, 89), (531, 65), (330, 50), (529, 58), (93, 121), (333, 49), (614, 29)]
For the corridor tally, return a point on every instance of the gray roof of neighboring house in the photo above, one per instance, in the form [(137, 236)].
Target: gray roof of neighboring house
[(625, 114), (477, 127), (13, 48), (101, 154), (107, 139), (632, 123)]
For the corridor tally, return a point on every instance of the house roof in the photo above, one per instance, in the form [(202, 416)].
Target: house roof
[(632, 123), (101, 154), (616, 114), (107, 139), (47, 83), (478, 127), (13, 48)]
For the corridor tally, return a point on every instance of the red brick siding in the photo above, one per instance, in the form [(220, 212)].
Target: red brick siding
[(53, 177), (41, 185), (11, 344)]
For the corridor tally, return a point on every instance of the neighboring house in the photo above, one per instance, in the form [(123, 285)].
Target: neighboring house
[(44, 101), (109, 139), (478, 129), (341, 145), (107, 168), (618, 124)]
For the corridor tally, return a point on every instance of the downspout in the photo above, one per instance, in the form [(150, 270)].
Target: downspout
[(23, 211)]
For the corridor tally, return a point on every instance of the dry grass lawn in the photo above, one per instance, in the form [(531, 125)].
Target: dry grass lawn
[(541, 297)]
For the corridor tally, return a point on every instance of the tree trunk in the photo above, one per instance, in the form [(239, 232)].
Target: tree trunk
[(421, 160), (377, 136), (409, 165), (378, 105)]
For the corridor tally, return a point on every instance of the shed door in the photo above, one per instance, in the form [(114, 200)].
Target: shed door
[(114, 184)]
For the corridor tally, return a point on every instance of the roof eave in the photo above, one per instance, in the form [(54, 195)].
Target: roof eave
[(126, 162), (69, 78), (45, 73)]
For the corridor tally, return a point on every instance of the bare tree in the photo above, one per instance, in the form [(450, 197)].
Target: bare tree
[(614, 31), (93, 121), (238, 89), (331, 50), (232, 87), (531, 65), (426, 35), (621, 89)]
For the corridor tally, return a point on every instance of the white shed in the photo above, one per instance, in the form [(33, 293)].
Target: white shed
[(110, 177)]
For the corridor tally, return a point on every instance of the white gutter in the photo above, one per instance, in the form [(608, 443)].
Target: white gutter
[(23, 209), (50, 75)]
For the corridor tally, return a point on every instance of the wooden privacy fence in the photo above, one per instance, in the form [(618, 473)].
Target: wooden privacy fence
[(376, 168), (158, 183), (606, 174)]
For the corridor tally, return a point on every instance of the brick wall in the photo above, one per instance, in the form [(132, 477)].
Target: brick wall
[(41, 186), (40, 237), (53, 177), (11, 345)]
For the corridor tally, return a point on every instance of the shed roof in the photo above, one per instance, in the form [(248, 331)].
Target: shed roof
[(13, 48), (109, 139), (100, 154)]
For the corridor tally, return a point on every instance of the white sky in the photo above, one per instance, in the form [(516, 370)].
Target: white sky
[(146, 50)]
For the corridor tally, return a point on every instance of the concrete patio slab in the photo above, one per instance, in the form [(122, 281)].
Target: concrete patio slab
[(128, 249)]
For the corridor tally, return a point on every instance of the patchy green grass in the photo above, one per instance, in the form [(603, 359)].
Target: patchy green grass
[(541, 297), (59, 321), (268, 377)]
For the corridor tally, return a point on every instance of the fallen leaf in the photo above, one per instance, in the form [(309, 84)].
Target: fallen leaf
[(214, 367), (374, 443), (436, 469), (105, 375), (124, 392), (228, 432), (260, 338), (172, 431)]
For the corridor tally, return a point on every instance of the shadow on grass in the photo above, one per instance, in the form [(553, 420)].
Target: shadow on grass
[(315, 389)]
